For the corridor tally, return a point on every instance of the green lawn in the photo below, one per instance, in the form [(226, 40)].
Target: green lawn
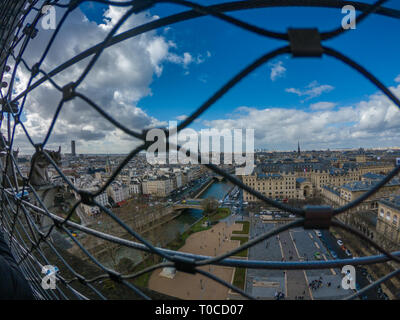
[(242, 240), (245, 228), (239, 278), (220, 214)]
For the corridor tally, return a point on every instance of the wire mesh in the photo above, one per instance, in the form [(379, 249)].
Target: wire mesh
[(31, 244)]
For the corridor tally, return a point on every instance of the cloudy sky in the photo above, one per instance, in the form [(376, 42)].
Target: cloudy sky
[(164, 75)]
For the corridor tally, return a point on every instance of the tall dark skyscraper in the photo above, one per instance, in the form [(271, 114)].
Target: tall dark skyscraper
[(73, 148)]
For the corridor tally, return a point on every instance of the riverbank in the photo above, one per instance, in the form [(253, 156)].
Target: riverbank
[(165, 232)]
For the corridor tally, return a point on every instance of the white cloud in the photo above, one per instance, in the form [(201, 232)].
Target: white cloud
[(186, 59), (182, 117), (277, 70), (374, 122), (120, 79), (322, 105), (312, 90), (397, 79)]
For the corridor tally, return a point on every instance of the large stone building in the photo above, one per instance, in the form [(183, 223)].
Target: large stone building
[(388, 223), (342, 195), (275, 185), (159, 187), (295, 180)]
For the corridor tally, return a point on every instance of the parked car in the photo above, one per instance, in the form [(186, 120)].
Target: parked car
[(317, 256), (348, 253), (340, 242), (319, 234)]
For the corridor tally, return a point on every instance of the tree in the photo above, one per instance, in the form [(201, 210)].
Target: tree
[(209, 205)]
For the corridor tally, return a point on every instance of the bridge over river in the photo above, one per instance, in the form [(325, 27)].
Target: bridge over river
[(189, 204)]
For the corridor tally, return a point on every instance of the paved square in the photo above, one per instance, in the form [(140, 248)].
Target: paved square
[(295, 244)]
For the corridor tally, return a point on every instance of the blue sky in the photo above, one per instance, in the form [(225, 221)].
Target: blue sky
[(373, 44), (321, 93), (178, 91)]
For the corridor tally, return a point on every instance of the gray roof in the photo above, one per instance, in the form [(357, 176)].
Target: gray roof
[(393, 202), (373, 176), (367, 185), (335, 191)]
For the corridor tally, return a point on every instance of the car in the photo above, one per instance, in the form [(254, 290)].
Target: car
[(348, 253), (319, 234), (340, 242), (317, 256)]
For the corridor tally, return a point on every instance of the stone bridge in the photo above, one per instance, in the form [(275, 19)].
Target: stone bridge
[(188, 204)]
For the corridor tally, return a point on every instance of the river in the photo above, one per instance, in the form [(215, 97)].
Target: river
[(164, 234)]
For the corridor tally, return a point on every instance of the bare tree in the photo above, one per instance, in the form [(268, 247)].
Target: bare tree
[(209, 205)]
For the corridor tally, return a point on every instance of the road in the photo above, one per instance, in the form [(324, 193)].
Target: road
[(295, 244), (296, 281), (331, 243)]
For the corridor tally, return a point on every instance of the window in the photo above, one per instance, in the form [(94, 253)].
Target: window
[(388, 215), (395, 219), (382, 213)]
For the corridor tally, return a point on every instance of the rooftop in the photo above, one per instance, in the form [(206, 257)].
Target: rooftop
[(367, 185)]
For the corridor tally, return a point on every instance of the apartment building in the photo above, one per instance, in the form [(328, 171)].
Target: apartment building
[(388, 223), (339, 196), (295, 180), (158, 187)]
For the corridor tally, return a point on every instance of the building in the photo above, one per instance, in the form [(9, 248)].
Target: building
[(342, 195), (118, 192), (73, 151), (274, 185), (287, 179), (388, 224), (158, 187)]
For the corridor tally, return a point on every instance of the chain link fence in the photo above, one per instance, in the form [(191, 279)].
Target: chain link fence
[(20, 218)]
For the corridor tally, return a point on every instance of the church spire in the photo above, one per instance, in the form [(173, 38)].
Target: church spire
[(298, 147)]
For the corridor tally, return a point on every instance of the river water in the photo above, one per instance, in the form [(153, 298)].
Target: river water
[(166, 233)]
